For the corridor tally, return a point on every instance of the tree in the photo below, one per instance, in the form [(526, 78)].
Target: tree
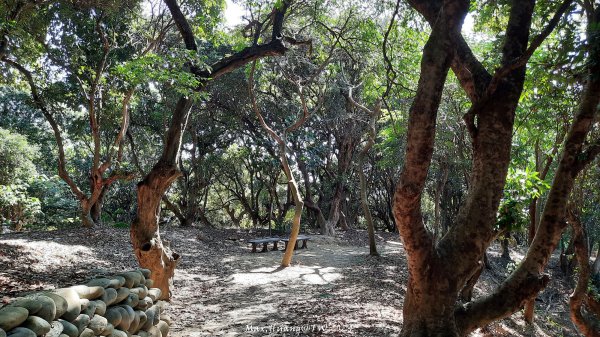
[(283, 154), (88, 64), (373, 116), (149, 249), (438, 272)]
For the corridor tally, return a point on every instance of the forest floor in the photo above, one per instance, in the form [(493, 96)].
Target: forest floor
[(333, 288)]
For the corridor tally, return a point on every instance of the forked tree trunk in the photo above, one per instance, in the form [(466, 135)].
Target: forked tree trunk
[(439, 273)]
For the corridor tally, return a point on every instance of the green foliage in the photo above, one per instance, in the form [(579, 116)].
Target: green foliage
[(16, 157), (169, 69), (521, 187), (17, 208)]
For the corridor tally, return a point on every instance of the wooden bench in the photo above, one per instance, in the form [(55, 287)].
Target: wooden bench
[(302, 238), (265, 242)]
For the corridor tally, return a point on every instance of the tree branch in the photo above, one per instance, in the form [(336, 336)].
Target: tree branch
[(41, 104)]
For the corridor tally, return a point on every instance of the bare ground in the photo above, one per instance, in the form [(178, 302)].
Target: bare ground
[(332, 289)]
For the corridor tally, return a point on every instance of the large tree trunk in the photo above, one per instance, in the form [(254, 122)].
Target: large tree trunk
[(430, 299), (438, 273), (148, 247), (527, 280), (85, 213)]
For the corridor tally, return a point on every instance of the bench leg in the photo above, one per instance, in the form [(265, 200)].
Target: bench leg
[(265, 248), (285, 245), (296, 245), (275, 245), (304, 244), (254, 248)]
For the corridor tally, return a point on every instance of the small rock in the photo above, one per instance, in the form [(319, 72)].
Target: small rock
[(73, 303), (117, 281), (154, 293), (60, 304), (56, 329), (48, 309), (100, 307), (141, 291), (143, 320), (30, 304), (118, 333), (122, 294), (87, 333), (98, 324), (113, 316), (163, 327), (21, 332), (108, 330), (11, 317), (132, 300), (81, 322), (132, 278), (149, 283), (68, 328), (145, 272), (90, 308), (109, 297), (36, 324), (90, 293)]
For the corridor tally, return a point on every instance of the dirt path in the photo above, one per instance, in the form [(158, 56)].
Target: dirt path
[(221, 289), (328, 290)]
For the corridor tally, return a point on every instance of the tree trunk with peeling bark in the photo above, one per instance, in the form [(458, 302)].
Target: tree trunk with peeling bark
[(438, 273), (588, 320)]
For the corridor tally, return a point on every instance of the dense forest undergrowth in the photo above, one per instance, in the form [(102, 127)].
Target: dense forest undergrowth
[(334, 288)]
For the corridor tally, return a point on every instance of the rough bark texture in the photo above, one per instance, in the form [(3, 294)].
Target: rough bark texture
[(585, 319), (524, 283), (364, 202), (438, 273), (429, 303)]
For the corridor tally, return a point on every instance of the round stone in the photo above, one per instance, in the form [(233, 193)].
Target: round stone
[(81, 322), (87, 333), (56, 329), (73, 303), (30, 304), (12, 317), (109, 297), (69, 328), (60, 304), (98, 324), (21, 332), (36, 324), (122, 294), (90, 293)]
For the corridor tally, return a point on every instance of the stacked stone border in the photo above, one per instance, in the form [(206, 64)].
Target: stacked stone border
[(121, 305)]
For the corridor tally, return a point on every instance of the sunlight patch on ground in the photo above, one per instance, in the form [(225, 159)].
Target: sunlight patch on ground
[(49, 251), (267, 275)]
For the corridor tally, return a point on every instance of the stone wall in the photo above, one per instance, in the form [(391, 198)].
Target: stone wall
[(121, 305)]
